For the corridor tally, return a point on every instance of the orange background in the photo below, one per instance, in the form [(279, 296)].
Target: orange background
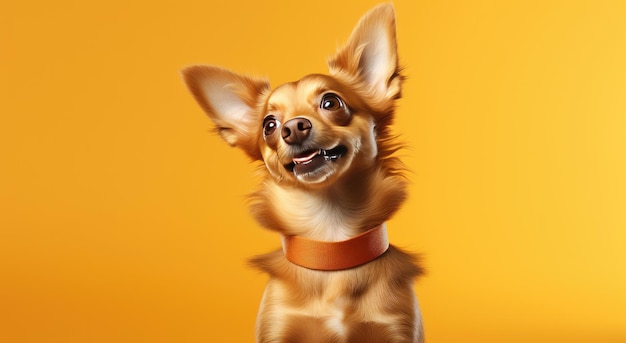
[(122, 218)]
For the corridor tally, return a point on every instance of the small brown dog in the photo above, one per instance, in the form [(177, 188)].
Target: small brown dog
[(331, 183)]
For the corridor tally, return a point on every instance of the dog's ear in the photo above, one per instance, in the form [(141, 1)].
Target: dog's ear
[(231, 101), (370, 55)]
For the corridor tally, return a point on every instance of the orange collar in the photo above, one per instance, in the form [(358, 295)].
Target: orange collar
[(346, 254)]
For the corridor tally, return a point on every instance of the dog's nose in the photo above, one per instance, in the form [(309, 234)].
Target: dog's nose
[(296, 130)]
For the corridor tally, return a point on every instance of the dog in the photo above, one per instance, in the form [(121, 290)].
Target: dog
[(331, 181)]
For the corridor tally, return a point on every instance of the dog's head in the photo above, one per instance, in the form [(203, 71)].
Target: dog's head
[(312, 131)]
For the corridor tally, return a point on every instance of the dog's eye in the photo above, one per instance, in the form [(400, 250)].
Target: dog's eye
[(335, 109), (269, 125), (331, 102)]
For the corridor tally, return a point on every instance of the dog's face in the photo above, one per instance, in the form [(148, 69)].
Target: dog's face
[(311, 132), (314, 130)]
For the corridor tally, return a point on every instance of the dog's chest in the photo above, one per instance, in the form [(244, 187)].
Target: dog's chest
[(333, 314), (332, 305)]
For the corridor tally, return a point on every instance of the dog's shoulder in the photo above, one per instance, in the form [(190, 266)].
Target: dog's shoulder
[(274, 263), (404, 265)]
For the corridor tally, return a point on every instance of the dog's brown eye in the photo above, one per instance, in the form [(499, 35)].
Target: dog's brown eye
[(335, 109), (331, 102), (269, 125)]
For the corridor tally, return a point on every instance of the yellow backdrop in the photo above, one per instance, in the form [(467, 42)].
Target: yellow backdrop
[(122, 218)]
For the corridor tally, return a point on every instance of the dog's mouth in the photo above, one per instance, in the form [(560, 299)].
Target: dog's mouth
[(311, 160)]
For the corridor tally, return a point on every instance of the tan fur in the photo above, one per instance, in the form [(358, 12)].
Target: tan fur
[(361, 186)]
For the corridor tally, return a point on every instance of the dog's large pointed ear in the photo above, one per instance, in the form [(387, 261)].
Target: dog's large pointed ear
[(231, 101), (370, 55)]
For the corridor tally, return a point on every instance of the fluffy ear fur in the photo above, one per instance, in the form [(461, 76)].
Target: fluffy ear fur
[(231, 101), (370, 55)]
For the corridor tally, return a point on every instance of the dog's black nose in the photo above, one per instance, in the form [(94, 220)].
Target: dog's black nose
[(296, 130)]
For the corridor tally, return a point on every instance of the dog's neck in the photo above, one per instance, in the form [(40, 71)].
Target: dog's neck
[(329, 256), (339, 212)]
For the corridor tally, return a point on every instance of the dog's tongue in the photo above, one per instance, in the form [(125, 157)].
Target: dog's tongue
[(305, 159)]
